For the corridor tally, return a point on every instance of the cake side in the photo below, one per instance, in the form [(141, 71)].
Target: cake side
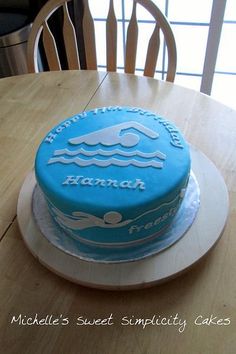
[(113, 176)]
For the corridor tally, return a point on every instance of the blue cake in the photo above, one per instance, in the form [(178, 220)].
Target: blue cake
[(113, 176)]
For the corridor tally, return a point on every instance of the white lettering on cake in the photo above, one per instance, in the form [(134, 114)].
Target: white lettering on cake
[(106, 109), (51, 136), (141, 111), (136, 184), (139, 184), (87, 181), (74, 180), (66, 124), (134, 110), (126, 184), (112, 183), (59, 129), (74, 119), (174, 133), (100, 182), (160, 219)]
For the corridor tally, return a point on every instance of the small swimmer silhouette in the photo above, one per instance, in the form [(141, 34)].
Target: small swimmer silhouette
[(113, 135), (80, 220)]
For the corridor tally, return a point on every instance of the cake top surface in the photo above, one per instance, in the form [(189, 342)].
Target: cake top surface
[(112, 159)]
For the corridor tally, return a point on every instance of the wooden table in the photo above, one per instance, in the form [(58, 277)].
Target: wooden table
[(30, 105)]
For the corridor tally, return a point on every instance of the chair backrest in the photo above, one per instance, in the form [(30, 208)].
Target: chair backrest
[(41, 29)]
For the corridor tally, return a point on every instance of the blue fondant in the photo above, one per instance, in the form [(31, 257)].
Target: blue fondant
[(143, 188)]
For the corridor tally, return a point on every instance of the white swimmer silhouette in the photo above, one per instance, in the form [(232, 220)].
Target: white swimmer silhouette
[(112, 135), (81, 220), (107, 137)]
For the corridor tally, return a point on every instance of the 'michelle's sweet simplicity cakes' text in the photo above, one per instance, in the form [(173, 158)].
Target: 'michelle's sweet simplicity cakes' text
[(175, 321)]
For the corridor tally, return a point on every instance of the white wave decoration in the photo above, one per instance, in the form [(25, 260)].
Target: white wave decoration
[(101, 152), (105, 163)]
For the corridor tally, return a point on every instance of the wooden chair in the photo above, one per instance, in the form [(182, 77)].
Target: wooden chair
[(41, 29)]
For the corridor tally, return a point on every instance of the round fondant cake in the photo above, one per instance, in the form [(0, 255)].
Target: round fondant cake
[(113, 176)]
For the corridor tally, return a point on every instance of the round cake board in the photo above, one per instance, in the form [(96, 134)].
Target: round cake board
[(173, 261)]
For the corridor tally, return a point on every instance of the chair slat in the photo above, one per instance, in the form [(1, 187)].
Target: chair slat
[(84, 26), (50, 48), (152, 52), (70, 40), (131, 42), (111, 38), (89, 38)]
